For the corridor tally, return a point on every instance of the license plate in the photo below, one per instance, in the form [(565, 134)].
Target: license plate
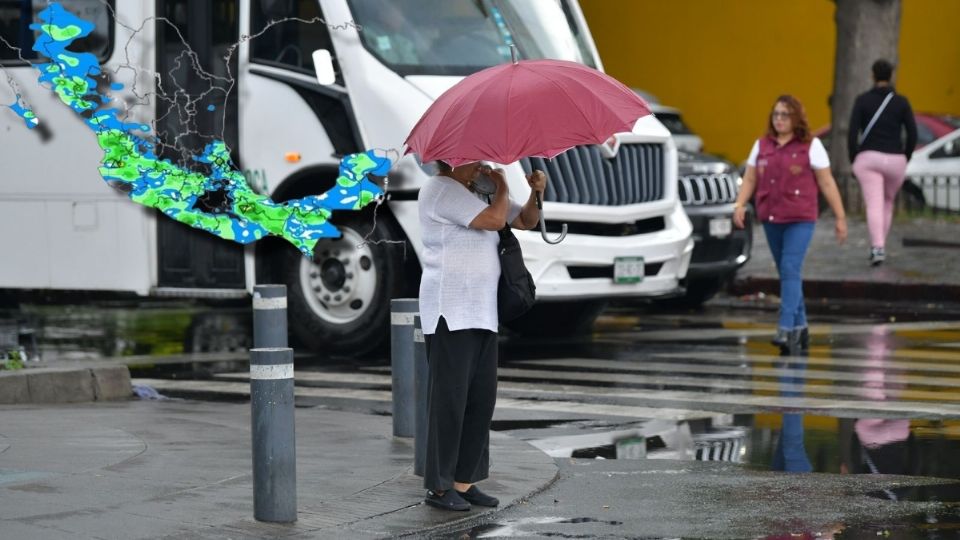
[(632, 448), (628, 269), (721, 227)]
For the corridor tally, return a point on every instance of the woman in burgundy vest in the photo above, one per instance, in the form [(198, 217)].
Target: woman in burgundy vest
[(786, 170)]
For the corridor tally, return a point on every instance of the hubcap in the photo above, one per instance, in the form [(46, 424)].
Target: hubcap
[(340, 281)]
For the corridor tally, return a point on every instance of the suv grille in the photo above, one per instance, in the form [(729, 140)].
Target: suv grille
[(582, 175), (705, 189)]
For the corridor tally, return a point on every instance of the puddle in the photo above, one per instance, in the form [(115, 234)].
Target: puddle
[(113, 329), (526, 527), (934, 524), (789, 442)]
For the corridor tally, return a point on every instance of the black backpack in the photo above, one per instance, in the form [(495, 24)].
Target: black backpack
[(516, 292)]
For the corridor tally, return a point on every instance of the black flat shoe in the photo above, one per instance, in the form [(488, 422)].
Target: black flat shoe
[(450, 500), (780, 340), (479, 498)]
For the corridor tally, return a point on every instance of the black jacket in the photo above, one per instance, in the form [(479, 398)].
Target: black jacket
[(885, 135)]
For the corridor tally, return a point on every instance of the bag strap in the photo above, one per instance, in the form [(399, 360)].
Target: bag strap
[(873, 120), (505, 232)]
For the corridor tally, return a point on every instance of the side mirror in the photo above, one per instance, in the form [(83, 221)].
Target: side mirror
[(323, 66)]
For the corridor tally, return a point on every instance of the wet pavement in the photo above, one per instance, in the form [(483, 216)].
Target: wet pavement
[(181, 470), (673, 499), (921, 258), (702, 392)]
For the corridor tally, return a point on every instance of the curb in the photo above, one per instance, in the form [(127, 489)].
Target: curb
[(527, 468), (64, 385), (856, 290)]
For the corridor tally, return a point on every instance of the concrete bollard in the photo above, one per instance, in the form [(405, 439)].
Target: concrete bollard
[(421, 372), (269, 316), (274, 439), (402, 312)]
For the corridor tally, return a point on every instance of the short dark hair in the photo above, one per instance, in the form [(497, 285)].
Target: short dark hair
[(882, 70), (444, 167)]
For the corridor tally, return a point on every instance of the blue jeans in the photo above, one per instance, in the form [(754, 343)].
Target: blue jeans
[(788, 242)]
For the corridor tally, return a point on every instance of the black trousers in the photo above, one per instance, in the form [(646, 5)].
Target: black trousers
[(461, 398)]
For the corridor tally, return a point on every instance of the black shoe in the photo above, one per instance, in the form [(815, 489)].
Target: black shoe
[(450, 500), (780, 340), (479, 498), (797, 341)]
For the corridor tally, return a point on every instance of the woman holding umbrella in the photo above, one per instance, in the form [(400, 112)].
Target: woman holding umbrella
[(787, 168), (500, 114), (458, 310)]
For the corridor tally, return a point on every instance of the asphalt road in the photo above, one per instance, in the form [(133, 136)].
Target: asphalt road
[(716, 415)]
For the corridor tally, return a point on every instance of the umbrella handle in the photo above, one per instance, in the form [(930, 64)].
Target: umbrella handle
[(543, 225)]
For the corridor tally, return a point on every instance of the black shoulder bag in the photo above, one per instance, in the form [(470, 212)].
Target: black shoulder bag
[(516, 291)]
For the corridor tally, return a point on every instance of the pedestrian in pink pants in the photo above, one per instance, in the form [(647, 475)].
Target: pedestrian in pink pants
[(878, 152)]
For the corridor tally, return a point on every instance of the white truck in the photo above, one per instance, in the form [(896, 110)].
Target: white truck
[(64, 229)]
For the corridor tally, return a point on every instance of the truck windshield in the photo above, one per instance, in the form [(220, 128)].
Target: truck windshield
[(460, 37)]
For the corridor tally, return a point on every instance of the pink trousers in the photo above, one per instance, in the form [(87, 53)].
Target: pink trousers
[(880, 176)]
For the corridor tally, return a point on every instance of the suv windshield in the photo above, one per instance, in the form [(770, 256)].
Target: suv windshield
[(460, 37), (674, 123)]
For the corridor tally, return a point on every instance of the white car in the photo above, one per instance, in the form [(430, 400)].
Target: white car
[(935, 170)]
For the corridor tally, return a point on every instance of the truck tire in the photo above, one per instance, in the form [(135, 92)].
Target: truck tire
[(558, 319), (339, 301)]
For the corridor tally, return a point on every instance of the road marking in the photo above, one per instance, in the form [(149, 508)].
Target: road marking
[(875, 375)]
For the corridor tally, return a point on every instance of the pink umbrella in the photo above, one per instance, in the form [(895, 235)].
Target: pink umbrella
[(530, 108)]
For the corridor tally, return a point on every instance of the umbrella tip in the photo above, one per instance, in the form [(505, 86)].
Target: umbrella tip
[(514, 54)]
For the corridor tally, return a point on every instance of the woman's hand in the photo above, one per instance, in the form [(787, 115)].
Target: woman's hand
[(841, 230), (538, 181), (740, 216), (498, 176)]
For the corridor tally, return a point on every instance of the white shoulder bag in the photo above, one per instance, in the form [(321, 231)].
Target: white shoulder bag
[(873, 120)]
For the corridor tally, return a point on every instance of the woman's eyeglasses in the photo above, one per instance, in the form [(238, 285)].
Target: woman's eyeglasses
[(779, 114)]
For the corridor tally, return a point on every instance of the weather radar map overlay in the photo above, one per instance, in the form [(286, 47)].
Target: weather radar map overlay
[(131, 165)]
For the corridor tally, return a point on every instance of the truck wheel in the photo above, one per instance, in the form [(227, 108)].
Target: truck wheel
[(339, 301), (558, 319)]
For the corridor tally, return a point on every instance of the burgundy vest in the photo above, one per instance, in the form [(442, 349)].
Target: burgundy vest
[(786, 185)]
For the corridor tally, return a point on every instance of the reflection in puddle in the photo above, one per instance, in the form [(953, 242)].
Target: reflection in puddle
[(67, 332), (790, 440), (514, 528), (861, 446)]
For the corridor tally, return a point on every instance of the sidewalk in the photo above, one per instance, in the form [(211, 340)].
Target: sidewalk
[(182, 469), (912, 272)]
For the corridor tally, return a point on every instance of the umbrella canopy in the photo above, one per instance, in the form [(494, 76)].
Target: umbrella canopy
[(530, 108)]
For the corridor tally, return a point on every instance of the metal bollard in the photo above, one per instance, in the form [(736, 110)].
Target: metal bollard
[(272, 430), (402, 312), (421, 371), (269, 316)]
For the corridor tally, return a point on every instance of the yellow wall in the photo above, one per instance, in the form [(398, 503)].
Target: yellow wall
[(723, 62)]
